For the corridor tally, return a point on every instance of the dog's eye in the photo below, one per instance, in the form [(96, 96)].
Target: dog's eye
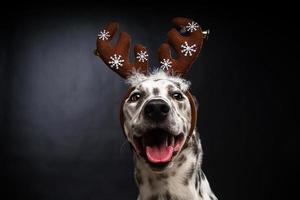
[(135, 96), (177, 95)]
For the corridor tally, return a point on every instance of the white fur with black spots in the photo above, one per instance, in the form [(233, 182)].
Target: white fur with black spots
[(167, 166)]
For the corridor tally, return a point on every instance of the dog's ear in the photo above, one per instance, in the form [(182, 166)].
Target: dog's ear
[(186, 38)]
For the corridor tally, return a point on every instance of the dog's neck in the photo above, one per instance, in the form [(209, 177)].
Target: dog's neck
[(183, 180)]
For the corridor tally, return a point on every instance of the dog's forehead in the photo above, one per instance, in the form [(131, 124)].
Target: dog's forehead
[(160, 84), (157, 79)]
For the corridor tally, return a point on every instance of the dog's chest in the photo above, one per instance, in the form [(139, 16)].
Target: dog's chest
[(178, 183)]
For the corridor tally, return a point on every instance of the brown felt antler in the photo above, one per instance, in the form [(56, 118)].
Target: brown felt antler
[(117, 57), (186, 47)]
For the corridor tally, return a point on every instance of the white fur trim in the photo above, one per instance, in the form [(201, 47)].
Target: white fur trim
[(136, 78)]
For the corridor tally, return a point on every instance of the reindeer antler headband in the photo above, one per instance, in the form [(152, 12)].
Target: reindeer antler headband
[(187, 49)]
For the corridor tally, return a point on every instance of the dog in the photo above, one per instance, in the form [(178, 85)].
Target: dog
[(158, 116)]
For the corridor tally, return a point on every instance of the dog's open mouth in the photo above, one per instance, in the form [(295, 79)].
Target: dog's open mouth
[(158, 146)]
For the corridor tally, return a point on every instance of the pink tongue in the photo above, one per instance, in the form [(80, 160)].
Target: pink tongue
[(159, 154)]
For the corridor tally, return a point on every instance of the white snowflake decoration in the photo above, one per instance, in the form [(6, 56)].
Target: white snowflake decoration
[(192, 26), (103, 35), (116, 61), (165, 64), (142, 56), (188, 50)]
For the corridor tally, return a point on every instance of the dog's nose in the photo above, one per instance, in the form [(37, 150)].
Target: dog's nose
[(156, 110)]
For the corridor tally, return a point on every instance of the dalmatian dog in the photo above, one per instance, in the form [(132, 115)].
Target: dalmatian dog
[(157, 118), (158, 115)]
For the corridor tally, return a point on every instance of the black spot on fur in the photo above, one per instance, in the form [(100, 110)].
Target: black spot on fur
[(189, 175), (170, 88), (188, 112), (212, 198), (186, 181), (177, 84), (155, 91), (180, 105), (202, 175), (173, 123), (184, 129), (184, 106), (200, 193), (168, 196), (153, 197), (162, 176), (181, 160), (198, 179), (195, 148), (147, 91), (150, 181), (179, 164)]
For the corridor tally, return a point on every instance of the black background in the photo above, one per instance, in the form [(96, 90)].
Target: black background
[(60, 134)]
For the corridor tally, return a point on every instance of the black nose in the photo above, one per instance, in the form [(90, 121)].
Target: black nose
[(156, 110)]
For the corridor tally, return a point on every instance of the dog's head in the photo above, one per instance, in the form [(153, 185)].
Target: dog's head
[(158, 114)]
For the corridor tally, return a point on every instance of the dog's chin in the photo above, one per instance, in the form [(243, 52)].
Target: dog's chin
[(158, 147)]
